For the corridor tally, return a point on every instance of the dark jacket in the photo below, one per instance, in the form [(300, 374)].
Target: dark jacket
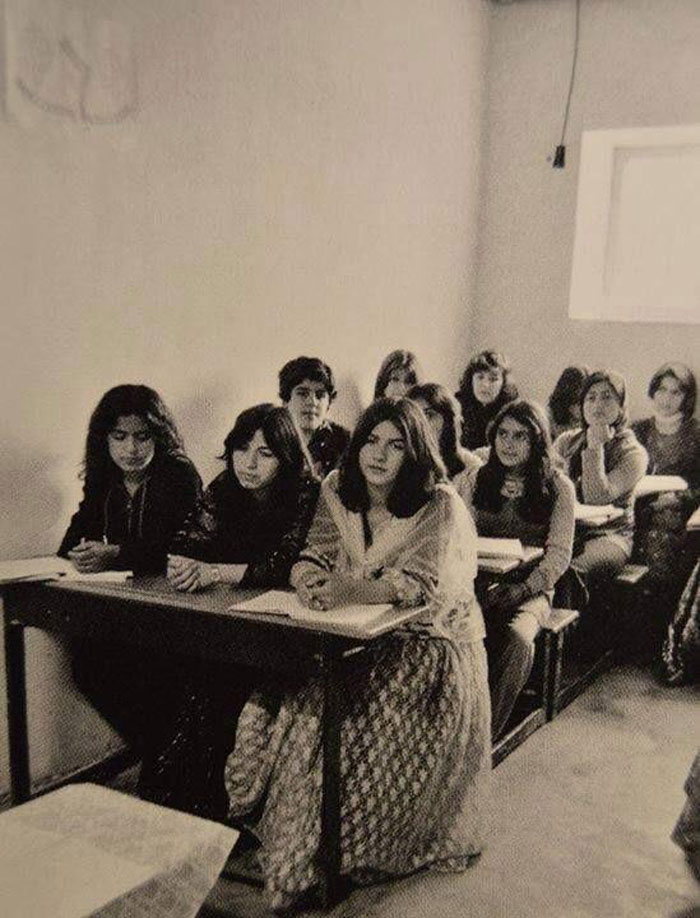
[(143, 525), (232, 527)]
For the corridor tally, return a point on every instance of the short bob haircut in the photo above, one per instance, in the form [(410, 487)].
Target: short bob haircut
[(484, 362), (567, 392), (301, 368), (685, 378), (126, 401), (397, 360), (422, 467), (617, 384), (537, 500), (439, 399), (280, 435)]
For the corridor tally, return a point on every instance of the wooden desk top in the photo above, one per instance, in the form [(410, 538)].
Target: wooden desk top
[(214, 603)]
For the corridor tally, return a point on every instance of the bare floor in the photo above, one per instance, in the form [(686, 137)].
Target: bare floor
[(582, 814)]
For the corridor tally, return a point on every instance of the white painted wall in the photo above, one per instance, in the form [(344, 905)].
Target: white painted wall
[(301, 177), (638, 66)]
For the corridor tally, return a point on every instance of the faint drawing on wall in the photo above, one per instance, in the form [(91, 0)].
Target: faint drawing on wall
[(70, 59), (638, 226)]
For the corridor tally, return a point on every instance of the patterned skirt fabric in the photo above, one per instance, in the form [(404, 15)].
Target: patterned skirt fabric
[(415, 761)]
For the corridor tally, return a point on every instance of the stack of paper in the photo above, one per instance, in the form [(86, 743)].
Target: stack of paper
[(53, 568)]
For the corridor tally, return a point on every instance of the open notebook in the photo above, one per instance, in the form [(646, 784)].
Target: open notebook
[(287, 605), (53, 568)]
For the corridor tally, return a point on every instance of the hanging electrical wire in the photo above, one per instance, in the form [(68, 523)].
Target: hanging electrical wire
[(559, 160)]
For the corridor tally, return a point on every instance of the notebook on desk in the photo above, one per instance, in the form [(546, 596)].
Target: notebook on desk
[(281, 604), (596, 514), (505, 564), (24, 570), (657, 484)]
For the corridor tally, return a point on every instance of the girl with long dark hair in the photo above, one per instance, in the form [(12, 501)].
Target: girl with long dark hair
[(415, 739), (565, 401), (254, 517), (399, 371), (139, 487), (484, 389), (519, 495)]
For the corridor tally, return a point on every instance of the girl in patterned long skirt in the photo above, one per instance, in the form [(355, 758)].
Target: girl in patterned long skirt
[(415, 733)]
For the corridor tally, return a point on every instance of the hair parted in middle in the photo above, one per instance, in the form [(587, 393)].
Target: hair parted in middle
[(397, 360), (537, 500), (685, 378), (422, 467)]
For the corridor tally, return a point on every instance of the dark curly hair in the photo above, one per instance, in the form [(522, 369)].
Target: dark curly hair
[(125, 401), (397, 360), (301, 368), (537, 501), (422, 468), (439, 399)]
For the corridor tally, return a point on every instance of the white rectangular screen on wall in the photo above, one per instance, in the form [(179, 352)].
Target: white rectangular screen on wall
[(637, 243)]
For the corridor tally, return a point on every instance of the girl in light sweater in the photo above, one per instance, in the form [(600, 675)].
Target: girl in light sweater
[(605, 461), (519, 495)]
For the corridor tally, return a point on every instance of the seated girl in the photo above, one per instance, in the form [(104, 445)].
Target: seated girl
[(671, 437), (399, 371), (307, 388), (519, 495), (139, 487), (415, 739), (255, 514), (484, 389), (605, 461), (249, 530), (565, 401), (445, 418)]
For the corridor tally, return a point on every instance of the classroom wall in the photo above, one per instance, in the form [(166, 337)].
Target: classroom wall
[(638, 66), (298, 177)]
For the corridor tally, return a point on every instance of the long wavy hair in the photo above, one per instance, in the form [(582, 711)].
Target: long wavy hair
[(422, 467), (617, 384), (567, 392), (484, 362), (397, 360), (439, 399), (126, 401), (537, 500), (685, 378), (281, 436)]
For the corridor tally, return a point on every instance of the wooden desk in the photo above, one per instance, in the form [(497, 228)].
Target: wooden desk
[(149, 613)]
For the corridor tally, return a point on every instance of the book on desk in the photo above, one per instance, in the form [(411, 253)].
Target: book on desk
[(659, 484), (51, 567), (282, 604), (500, 556)]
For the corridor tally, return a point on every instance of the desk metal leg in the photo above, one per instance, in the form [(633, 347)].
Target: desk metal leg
[(329, 853), (15, 670)]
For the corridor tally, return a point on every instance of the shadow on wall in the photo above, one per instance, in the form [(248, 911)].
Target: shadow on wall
[(348, 405), (33, 503)]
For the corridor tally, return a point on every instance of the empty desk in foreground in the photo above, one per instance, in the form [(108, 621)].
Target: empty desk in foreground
[(85, 851)]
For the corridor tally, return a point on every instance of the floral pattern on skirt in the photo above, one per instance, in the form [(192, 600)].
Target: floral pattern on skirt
[(415, 758)]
